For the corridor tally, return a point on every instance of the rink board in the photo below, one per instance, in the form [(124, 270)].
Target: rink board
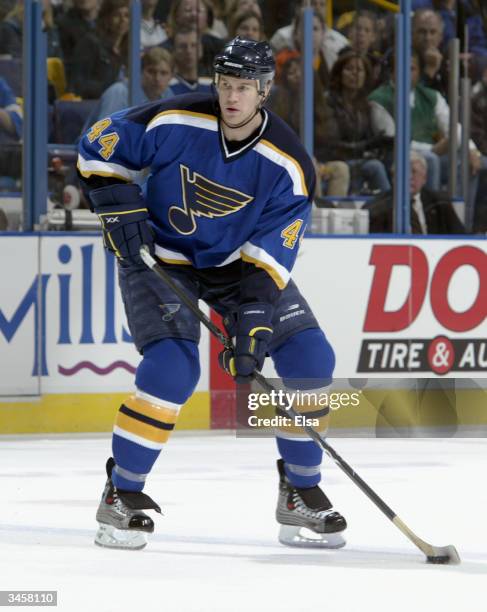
[(390, 307)]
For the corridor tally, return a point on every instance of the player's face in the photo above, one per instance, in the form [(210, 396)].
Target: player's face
[(238, 98), (155, 79)]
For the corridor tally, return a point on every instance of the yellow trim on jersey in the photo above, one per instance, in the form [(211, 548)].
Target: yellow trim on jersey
[(179, 262), (267, 143), (181, 112), (267, 267)]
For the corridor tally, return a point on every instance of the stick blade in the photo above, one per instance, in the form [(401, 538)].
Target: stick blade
[(444, 555)]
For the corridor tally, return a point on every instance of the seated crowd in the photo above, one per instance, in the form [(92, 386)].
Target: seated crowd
[(354, 123)]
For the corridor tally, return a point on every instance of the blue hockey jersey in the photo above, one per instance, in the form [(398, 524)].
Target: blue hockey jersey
[(211, 202)]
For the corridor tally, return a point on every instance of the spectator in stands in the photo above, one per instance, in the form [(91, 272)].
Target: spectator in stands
[(12, 26), (331, 43), (352, 132), (75, 24), (10, 136), (234, 8), (196, 14), (152, 33), (99, 55), (430, 117), (157, 71), (474, 21), (363, 35), (431, 212), (363, 32), (427, 35), (284, 101), (247, 25), (320, 64), (187, 54)]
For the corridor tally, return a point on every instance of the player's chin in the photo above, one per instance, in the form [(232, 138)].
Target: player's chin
[(232, 118)]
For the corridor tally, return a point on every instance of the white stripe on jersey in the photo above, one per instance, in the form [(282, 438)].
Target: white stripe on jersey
[(101, 168), (255, 252), (175, 117), (288, 163), (168, 255)]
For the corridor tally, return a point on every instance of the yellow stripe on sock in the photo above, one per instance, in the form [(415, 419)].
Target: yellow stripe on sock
[(144, 430), (149, 409)]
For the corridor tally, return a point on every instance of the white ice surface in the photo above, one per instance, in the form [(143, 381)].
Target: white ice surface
[(216, 550)]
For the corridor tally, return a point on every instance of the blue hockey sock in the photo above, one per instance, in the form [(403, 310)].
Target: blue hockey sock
[(314, 368), (165, 379)]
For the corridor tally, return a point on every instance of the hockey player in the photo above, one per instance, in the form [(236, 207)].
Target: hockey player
[(225, 203)]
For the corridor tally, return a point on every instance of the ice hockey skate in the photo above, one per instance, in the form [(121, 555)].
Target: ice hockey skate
[(122, 524), (307, 517)]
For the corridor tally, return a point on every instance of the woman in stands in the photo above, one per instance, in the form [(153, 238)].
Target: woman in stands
[(99, 56), (351, 128), (248, 25)]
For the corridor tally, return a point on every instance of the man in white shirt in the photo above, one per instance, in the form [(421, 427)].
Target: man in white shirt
[(332, 41)]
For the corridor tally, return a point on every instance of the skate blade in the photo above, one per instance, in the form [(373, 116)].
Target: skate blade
[(108, 536), (301, 537)]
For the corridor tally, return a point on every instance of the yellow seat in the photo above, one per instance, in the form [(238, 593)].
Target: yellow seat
[(56, 75)]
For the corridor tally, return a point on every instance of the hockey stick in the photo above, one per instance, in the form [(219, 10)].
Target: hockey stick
[(434, 554)]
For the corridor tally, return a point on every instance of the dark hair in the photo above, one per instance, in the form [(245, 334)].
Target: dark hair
[(239, 17), (175, 4), (107, 8), (339, 66)]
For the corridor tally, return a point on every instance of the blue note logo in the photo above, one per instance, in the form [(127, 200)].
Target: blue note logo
[(169, 311), (203, 198)]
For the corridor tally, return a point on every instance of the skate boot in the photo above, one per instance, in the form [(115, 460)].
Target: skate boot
[(122, 524), (306, 516)]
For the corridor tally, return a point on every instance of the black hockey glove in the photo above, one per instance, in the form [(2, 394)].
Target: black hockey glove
[(123, 215), (253, 332)]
